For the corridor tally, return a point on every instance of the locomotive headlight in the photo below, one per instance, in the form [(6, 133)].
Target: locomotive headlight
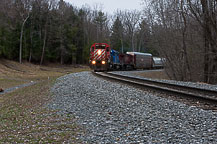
[(99, 52), (103, 62), (93, 62)]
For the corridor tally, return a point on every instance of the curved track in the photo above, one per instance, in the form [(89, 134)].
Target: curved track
[(198, 93)]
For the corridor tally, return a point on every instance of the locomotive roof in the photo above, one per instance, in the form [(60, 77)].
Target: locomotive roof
[(100, 44), (114, 51), (139, 53), (157, 58)]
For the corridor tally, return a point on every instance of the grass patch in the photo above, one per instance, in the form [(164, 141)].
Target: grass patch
[(12, 73), (23, 119), (154, 74), (7, 83)]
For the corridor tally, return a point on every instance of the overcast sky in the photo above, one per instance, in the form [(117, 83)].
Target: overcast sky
[(109, 6)]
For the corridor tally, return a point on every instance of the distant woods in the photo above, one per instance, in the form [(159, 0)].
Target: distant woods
[(182, 31), (43, 31)]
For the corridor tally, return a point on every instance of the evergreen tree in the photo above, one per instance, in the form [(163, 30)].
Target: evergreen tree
[(144, 37), (117, 35), (100, 22)]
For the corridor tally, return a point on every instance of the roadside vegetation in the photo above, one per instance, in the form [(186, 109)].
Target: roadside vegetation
[(23, 119), (161, 74)]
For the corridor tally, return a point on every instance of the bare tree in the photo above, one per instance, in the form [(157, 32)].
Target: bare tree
[(131, 19), (204, 11), (171, 30), (47, 7), (23, 9), (186, 65)]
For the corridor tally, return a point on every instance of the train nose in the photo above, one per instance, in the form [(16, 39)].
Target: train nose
[(99, 52)]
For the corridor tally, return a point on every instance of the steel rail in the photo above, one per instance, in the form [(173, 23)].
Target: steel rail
[(163, 86)]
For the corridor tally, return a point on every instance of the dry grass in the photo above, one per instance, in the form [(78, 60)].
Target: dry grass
[(154, 74), (24, 120), (7, 83), (22, 116), (13, 73), (27, 71)]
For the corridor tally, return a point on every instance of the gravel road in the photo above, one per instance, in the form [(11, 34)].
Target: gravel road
[(116, 113)]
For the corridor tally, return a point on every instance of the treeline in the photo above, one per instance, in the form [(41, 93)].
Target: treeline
[(55, 31), (46, 30), (182, 31)]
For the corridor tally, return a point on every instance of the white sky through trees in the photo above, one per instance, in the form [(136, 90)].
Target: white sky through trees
[(109, 6)]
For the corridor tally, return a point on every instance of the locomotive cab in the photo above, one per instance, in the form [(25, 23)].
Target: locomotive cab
[(100, 56)]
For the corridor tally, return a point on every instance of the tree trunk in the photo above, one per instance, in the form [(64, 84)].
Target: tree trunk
[(132, 41), (187, 74), (30, 50), (122, 46), (30, 55), (21, 39), (44, 45), (206, 41), (61, 51)]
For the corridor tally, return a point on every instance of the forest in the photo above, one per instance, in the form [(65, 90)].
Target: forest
[(184, 32)]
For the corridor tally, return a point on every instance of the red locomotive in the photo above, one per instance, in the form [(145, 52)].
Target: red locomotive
[(100, 56)]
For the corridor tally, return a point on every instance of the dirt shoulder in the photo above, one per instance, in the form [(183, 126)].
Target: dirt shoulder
[(154, 74)]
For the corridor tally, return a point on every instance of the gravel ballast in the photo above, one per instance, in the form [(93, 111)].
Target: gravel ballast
[(111, 112), (190, 84)]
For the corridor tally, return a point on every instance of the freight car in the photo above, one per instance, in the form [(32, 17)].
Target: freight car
[(158, 62), (142, 60), (126, 61)]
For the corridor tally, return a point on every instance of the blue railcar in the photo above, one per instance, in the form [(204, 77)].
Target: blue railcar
[(115, 57), (115, 61)]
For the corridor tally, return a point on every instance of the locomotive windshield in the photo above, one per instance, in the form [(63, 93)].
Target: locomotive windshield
[(100, 47)]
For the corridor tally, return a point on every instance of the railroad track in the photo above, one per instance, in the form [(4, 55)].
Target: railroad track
[(199, 93)]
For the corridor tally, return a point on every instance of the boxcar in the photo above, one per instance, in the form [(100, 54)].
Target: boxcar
[(142, 60), (126, 61)]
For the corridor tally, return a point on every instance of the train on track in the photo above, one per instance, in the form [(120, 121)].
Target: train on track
[(103, 58)]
